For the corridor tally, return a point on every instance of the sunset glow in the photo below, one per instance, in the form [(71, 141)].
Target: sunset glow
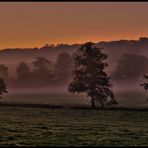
[(33, 24)]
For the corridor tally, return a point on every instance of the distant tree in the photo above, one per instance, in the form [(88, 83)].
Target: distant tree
[(63, 68), (89, 76), (4, 72), (130, 66), (3, 88), (41, 63), (42, 69), (47, 47), (23, 71)]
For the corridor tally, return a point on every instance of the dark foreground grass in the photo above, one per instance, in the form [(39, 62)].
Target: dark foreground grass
[(22, 126)]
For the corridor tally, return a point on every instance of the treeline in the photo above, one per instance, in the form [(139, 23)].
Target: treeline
[(130, 67), (42, 72), (114, 49)]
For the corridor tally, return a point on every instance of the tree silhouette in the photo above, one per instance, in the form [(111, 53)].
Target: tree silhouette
[(23, 71), (42, 70), (145, 84), (41, 63), (3, 88), (4, 72), (126, 66), (63, 68), (89, 76)]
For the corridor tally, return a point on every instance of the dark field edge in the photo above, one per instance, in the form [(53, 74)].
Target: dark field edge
[(48, 106)]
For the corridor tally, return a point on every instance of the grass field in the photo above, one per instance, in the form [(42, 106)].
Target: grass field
[(20, 126), (75, 123)]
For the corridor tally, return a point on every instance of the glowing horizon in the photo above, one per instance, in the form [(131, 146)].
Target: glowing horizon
[(71, 43), (33, 24)]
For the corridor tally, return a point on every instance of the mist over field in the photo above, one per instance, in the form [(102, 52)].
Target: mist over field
[(127, 96), (122, 56)]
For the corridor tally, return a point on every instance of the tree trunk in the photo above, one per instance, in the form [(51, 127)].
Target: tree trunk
[(93, 103), (102, 104)]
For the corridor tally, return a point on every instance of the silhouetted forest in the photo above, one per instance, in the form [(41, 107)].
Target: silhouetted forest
[(52, 65), (42, 72)]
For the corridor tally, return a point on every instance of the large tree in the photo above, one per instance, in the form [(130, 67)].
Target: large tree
[(90, 77)]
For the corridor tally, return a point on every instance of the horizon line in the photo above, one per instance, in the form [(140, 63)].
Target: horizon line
[(70, 44)]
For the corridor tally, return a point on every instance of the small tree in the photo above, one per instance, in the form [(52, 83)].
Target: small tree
[(89, 76), (3, 88), (145, 84)]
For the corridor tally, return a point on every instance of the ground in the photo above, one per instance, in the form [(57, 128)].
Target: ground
[(24, 126)]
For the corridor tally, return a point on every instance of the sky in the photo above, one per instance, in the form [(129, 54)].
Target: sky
[(33, 24)]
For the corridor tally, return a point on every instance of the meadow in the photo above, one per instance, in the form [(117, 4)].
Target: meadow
[(72, 127), (69, 126)]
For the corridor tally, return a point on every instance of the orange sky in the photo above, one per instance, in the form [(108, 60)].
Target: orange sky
[(33, 24)]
